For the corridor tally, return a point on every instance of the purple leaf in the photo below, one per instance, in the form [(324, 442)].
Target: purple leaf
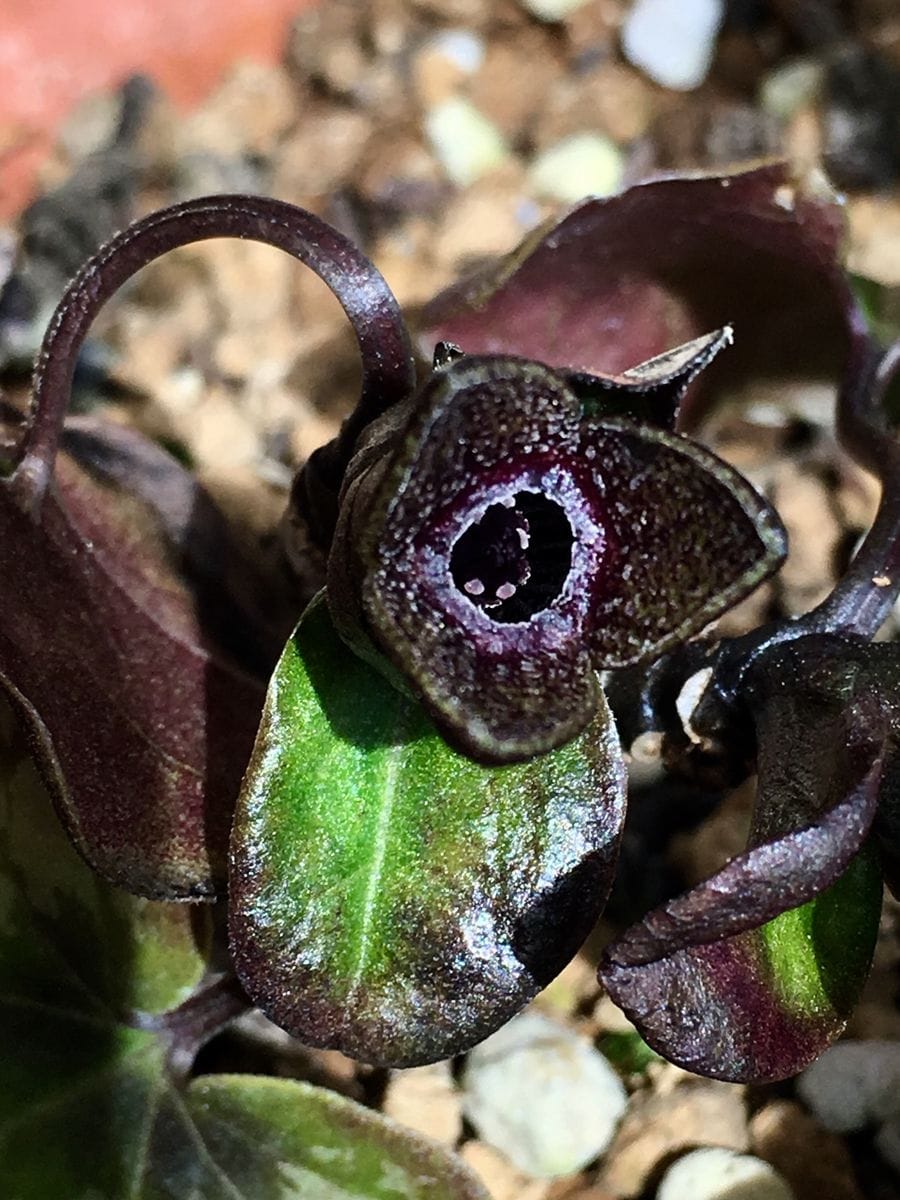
[(751, 974), (622, 279), (141, 723)]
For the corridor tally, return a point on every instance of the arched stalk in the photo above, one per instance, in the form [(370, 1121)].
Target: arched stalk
[(388, 372)]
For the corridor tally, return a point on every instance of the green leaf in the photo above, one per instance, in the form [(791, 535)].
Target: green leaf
[(389, 896), (66, 937), (274, 1139), (627, 1051), (881, 304), (89, 1106), (818, 955)]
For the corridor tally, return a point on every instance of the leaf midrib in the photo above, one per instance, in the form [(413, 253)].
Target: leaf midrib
[(388, 792)]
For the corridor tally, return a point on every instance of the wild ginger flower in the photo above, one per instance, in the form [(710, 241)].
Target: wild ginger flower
[(508, 533)]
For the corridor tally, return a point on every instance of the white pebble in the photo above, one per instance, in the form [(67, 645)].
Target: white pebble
[(462, 47), (543, 1096), (718, 1174), (853, 1084), (673, 41), (552, 10), (585, 164), (467, 144), (792, 86)]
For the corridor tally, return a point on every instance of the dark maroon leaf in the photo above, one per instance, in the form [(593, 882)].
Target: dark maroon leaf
[(752, 973), (130, 645), (142, 725), (499, 545), (622, 279)]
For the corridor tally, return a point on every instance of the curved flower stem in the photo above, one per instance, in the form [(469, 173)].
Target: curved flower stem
[(862, 600), (388, 372)]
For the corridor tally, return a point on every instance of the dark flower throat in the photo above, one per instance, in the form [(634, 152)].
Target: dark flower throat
[(514, 561)]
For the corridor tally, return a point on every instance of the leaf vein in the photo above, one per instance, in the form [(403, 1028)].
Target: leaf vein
[(393, 757)]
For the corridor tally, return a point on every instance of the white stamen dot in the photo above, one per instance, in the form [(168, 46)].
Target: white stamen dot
[(505, 590), (474, 587)]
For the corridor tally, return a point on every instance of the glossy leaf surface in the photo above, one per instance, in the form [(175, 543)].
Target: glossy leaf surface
[(506, 544), (88, 1108), (389, 897), (752, 973), (115, 649)]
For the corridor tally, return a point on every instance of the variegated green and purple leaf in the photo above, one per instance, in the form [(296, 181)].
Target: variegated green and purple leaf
[(505, 544), (390, 897), (752, 973)]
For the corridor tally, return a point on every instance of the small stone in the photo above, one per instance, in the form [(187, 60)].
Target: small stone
[(552, 10), (501, 1179), (673, 41), (585, 164), (874, 249), (669, 1121), (400, 175), (853, 1084), (248, 114), (791, 87), (592, 30), (611, 99), (717, 1174), (475, 14), (444, 62), (324, 45), (543, 1096), (485, 220), (427, 1100), (814, 1162), (321, 153), (467, 144), (496, 90)]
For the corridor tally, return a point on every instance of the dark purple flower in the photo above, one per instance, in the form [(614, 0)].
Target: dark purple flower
[(508, 533)]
